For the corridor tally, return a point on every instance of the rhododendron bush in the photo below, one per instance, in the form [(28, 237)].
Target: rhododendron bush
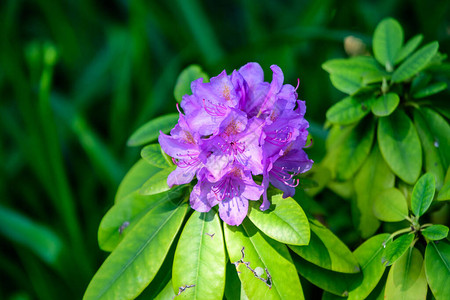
[(222, 205)]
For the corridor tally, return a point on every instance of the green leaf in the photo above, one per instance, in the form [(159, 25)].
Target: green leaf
[(406, 279), (374, 177), (346, 82), (400, 146), (430, 90), (333, 282), (41, 240), (355, 149), (153, 155), (348, 111), (423, 194), (166, 293), (327, 251), (136, 260), (139, 173), (444, 193), (124, 215), (250, 248), (233, 288), (200, 258), (385, 104), (149, 132), (437, 268), (415, 63), (157, 183), (183, 85), (435, 232), (433, 161), (409, 48), (440, 130), (285, 221), (369, 256), (390, 206), (395, 249), (387, 42)]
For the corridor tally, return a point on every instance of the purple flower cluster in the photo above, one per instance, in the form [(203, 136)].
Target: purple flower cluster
[(233, 127)]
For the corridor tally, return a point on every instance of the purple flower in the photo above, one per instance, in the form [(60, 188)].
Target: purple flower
[(233, 127)]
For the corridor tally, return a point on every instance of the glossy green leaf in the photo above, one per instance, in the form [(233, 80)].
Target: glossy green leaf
[(327, 251), (41, 240), (415, 63), (136, 260), (233, 288), (387, 42), (249, 248), (408, 48), (423, 194), (157, 183), (406, 279), (346, 82), (183, 85), (433, 161), (153, 155), (355, 149), (400, 145), (395, 249), (359, 65), (440, 130), (385, 104), (149, 132), (284, 221), (437, 268), (374, 177), (369, 258), (430, 90), (390, 206), (139, 173), (200, 258), (333, 282), (348, 111), (166, 293), (444, 193), (435, 232), (124, 215)]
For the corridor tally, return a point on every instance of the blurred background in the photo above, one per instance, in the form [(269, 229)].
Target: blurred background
[(78, 77)]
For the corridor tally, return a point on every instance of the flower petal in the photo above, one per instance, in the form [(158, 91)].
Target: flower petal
[(233, 211)]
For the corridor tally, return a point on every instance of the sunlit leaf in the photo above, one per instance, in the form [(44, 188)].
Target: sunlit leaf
[(433, 161), (395, 249), (437, 268), (149, 132), (374, 177), (136, 260), (435, 232), (157, 183), (124, 215), (183, 85), (415, 63), (327, 251), (387, 42), (250, 249), (406, 279), (423, 194), (139, 173), (200, 258), (284, 221), (400, 145), (166, 293), (385, 104), (153, 155), (444, 193), (348, 111), (369, 258), (390, 206), (430, 90), (408, 48)]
